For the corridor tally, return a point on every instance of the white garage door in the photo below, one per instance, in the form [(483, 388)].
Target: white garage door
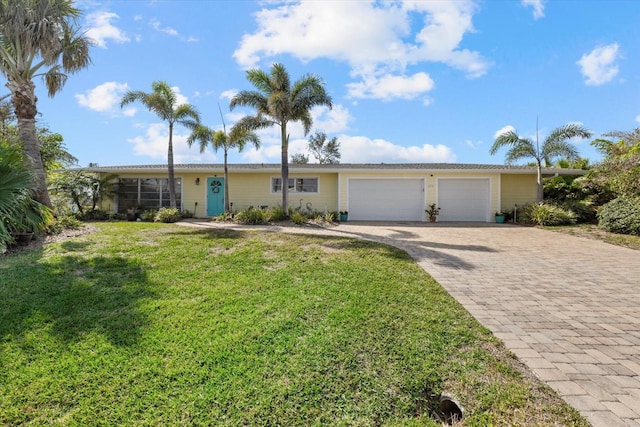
[(463, 199), (386, 199)]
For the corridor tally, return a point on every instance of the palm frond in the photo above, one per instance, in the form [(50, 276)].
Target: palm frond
[(523, 150), (568, 131), (202, 134)]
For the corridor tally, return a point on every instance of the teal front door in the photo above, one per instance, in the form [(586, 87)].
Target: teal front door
[(215, 196)]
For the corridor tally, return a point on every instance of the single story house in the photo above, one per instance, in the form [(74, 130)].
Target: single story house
[(369, 192)]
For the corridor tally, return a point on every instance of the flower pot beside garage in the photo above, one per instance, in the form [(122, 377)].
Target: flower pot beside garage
[(499, 218)]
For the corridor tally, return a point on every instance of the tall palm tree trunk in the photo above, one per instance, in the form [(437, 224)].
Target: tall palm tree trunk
[(24, 102), (539, 186), (172, 184), (226, 183), (285, 167)]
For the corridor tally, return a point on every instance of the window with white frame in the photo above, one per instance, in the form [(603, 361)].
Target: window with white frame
[(146, 193), (296, 185)]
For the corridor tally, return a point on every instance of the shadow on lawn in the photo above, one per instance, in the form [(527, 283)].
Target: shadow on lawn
[(70, 297), (209, 233)]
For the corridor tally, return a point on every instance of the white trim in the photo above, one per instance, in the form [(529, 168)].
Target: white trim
[(294, 177)]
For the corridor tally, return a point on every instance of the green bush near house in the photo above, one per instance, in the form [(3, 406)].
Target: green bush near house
[(168, 215), (298, 217), (251, 216), (63, 222), (94, 215), (546, 214), (621, 215)]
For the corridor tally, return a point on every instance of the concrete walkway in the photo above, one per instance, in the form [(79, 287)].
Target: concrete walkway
[(568, 307)]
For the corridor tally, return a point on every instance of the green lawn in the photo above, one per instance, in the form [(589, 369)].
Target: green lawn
[(151, 324)]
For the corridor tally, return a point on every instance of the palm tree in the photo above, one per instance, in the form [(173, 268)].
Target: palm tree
[(555, 145), (18, 210), (237, 138), (164, 102), (38, 38), (277, 102)]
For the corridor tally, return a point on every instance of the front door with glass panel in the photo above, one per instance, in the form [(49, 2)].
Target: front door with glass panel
[(215, 196)]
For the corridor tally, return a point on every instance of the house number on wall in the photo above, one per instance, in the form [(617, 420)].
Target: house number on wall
[(215, 186)]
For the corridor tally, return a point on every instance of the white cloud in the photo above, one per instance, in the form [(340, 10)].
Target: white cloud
[(388, 87), (599, 66), (155, 24), (379, 45), (180, 98), (104, 97), (537, 6), (154, 144), (101, 29), (360, 149), (638, 118), (507, 128), (129, 112), (473, 145), (331, 121), (228, 94), (354, 149)]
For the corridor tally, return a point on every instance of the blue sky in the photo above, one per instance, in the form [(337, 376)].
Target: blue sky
[(411, 81)]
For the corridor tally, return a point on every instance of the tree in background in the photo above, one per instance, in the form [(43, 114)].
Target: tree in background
[(555, 145), (38, 38), (53, 151), (619, 170), (83, 189), (278, 102), (237, 138), (164, 102), (326, 152), (299, 159)]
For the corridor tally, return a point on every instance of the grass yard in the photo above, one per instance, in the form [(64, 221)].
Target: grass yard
[(155, 324), (592, 231)]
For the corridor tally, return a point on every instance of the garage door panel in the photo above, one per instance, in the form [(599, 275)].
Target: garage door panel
[(464, 199), (386, 199)]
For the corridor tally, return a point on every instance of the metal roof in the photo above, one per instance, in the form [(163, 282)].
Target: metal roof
[(336, 168)]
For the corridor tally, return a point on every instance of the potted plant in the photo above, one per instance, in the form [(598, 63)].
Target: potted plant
[(344, 216), (432, 212), (499, 217)]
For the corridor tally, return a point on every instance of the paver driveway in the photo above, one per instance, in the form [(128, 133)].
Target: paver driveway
[(566, 306)]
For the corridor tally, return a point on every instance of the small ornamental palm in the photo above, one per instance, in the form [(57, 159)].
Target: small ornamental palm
[(555, 145), (278, 102), (237, 138), (164, 102)]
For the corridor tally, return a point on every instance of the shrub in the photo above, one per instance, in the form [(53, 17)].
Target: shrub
[(276, 214), (63, 222), (545, 214), (94, 215), (149, 215), (168, 215), (252, 216), (621, 215), (225, 216), (583, 209), (186, 214), (298, 217)]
